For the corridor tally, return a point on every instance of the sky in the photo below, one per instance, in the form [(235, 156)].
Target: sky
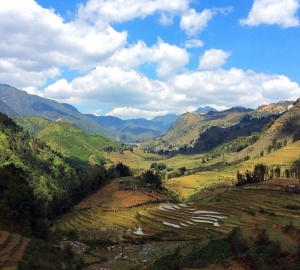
[(144, 58)]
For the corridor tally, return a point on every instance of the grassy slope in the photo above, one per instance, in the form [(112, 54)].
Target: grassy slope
[(74, 142), (33, 124), (283, 128)]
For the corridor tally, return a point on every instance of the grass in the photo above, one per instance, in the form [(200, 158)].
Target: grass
[(74, 142)]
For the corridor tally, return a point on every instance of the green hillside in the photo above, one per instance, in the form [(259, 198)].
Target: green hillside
[(25, 104), (33, 124), (75, 143), (30, 164)]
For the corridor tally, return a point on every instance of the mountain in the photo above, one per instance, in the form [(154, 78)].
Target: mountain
[(284, 129), (205, 109), (25, 104), (167, 119), (189, 126), (14, 101), (203, 132), (76, 143), (216, 136), (33, 124), (136, 129), (273, 108), (4, 108)]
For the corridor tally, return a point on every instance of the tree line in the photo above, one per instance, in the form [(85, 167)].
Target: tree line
[(262, 172)]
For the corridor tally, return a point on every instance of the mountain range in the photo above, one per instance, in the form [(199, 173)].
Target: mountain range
[(17, 102)]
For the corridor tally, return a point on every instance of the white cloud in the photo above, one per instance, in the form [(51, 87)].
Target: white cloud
[(193, 43), (99, 11), (166, 19), (37, 45), (235, 87), (168, 59), (193, 22), (278, 12), (12, 73), (38, 41), (278, 87), (111, 86), (95, 112), (129, 112), (213, 58), (134, 95)]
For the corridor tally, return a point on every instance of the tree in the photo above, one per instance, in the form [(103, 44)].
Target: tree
[(182, 170), (153, 178), (277, 172), (122, 170), (236, 242), (260, 172)]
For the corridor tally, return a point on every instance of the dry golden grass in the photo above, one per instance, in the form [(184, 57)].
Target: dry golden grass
[(111, 197), (282, 157), (136, 160), (188, 185)]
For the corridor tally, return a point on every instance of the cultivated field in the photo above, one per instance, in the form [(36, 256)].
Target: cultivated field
[(141, 224), (210, 214), (11, 249)]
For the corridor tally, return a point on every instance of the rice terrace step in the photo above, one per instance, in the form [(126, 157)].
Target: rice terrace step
[(12, 246)]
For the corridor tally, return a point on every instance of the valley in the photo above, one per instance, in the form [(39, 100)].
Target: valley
[(219, 190)]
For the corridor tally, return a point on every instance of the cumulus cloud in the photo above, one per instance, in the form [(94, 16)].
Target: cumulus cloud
[(11, 73), (141, 97), (168, 59), (99, 11), (106, 83), (235, 86), (213, 58), (193, 22), (38, 41), (193, 43), (278, 12)]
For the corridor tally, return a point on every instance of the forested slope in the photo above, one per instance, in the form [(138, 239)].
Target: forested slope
[(38, 183)]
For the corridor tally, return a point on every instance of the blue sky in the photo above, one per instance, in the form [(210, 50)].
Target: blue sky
[(143, 58)]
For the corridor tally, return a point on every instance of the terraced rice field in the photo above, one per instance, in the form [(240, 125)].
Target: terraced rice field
[(12, 247), (211, 216)]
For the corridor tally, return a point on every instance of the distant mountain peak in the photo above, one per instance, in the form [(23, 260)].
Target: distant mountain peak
[(205, 109)]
